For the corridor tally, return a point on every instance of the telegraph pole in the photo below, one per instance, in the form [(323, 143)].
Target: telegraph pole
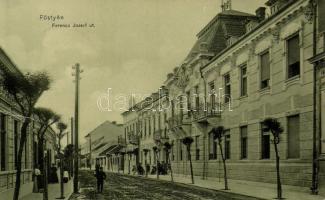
[(76, 67), (72, 142)]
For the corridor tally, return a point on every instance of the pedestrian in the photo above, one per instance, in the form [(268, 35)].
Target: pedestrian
[(100, 176), (37, 179)]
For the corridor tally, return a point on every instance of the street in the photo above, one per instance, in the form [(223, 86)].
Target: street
[(119, 186)]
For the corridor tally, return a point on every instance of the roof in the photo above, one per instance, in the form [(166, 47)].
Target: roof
[(261, 24), (214, 35)]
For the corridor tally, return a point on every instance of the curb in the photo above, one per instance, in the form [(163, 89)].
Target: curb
[(236, 195)]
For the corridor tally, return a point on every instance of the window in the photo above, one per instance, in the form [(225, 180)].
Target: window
[(227, 144), (212, 147), (16, 135), (197, 147), (188, 96), (243, 142), (243, 78), (293, 58), (180, 149), (293, 137), (265, 70), (227, 88), (197, 98), (154, 123), (149, 126), (145, 127), (212, 95), (265, 143), (3, 142)]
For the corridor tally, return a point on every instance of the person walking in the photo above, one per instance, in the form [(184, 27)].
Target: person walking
[(100, 176)]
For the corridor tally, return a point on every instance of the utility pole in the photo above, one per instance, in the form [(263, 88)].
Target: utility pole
[(72, 142), (76, 67)]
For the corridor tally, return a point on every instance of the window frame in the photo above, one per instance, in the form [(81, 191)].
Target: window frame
[(267, 51), (296, 34), (242, 157), (242, 78), (227, 99), (264, 133), (227, 144)]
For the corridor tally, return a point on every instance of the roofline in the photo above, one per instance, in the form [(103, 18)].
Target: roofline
[(10, 61), (290, 3)]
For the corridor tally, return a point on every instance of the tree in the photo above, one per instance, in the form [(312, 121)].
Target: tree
[(25, 90), (272, 125), (61, 127), (187, 141), (168, 148), (218, 134)]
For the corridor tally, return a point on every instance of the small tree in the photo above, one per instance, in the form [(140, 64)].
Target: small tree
[(272, 125), (168, 148), (145, 160), (25, 91), (187, 141), (46, 118), (218, 134), (61, 127), (156, 151)]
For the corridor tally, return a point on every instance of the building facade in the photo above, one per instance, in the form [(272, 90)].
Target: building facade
[(98, 141), (243, 69), (10, 125)]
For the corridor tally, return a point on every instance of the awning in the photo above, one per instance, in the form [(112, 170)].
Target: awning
[(107, 150), (114, 150)]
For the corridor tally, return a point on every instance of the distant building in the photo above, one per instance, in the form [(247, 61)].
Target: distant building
[(97, 141)]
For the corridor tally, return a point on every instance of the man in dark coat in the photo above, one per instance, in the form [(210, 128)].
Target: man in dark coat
[(100, 176)]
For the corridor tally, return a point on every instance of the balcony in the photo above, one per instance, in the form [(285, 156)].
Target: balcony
[(121, 141), (204, 113), (134, 139)]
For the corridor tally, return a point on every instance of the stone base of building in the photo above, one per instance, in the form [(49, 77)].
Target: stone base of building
[(25, 189)]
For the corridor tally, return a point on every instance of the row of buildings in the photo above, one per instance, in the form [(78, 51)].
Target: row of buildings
[(242, 69), (10, 126)]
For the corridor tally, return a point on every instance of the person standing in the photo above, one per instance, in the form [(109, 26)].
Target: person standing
[(100, 176)]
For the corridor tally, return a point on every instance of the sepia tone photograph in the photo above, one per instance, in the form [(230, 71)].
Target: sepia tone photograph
[(162, 99)]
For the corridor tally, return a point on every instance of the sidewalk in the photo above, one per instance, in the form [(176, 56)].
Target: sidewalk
[(53, 192), (253, 189)]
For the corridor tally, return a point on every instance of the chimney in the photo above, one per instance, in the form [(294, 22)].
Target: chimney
[(260, 13)]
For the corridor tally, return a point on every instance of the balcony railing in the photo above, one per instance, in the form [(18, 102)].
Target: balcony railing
[(203, 112), (160, 134)]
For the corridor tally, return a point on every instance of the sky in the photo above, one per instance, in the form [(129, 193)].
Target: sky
[(130, 49)]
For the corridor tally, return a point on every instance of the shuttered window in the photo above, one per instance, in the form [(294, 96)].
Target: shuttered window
[(293, 56), (265, 70), (293, 137)]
